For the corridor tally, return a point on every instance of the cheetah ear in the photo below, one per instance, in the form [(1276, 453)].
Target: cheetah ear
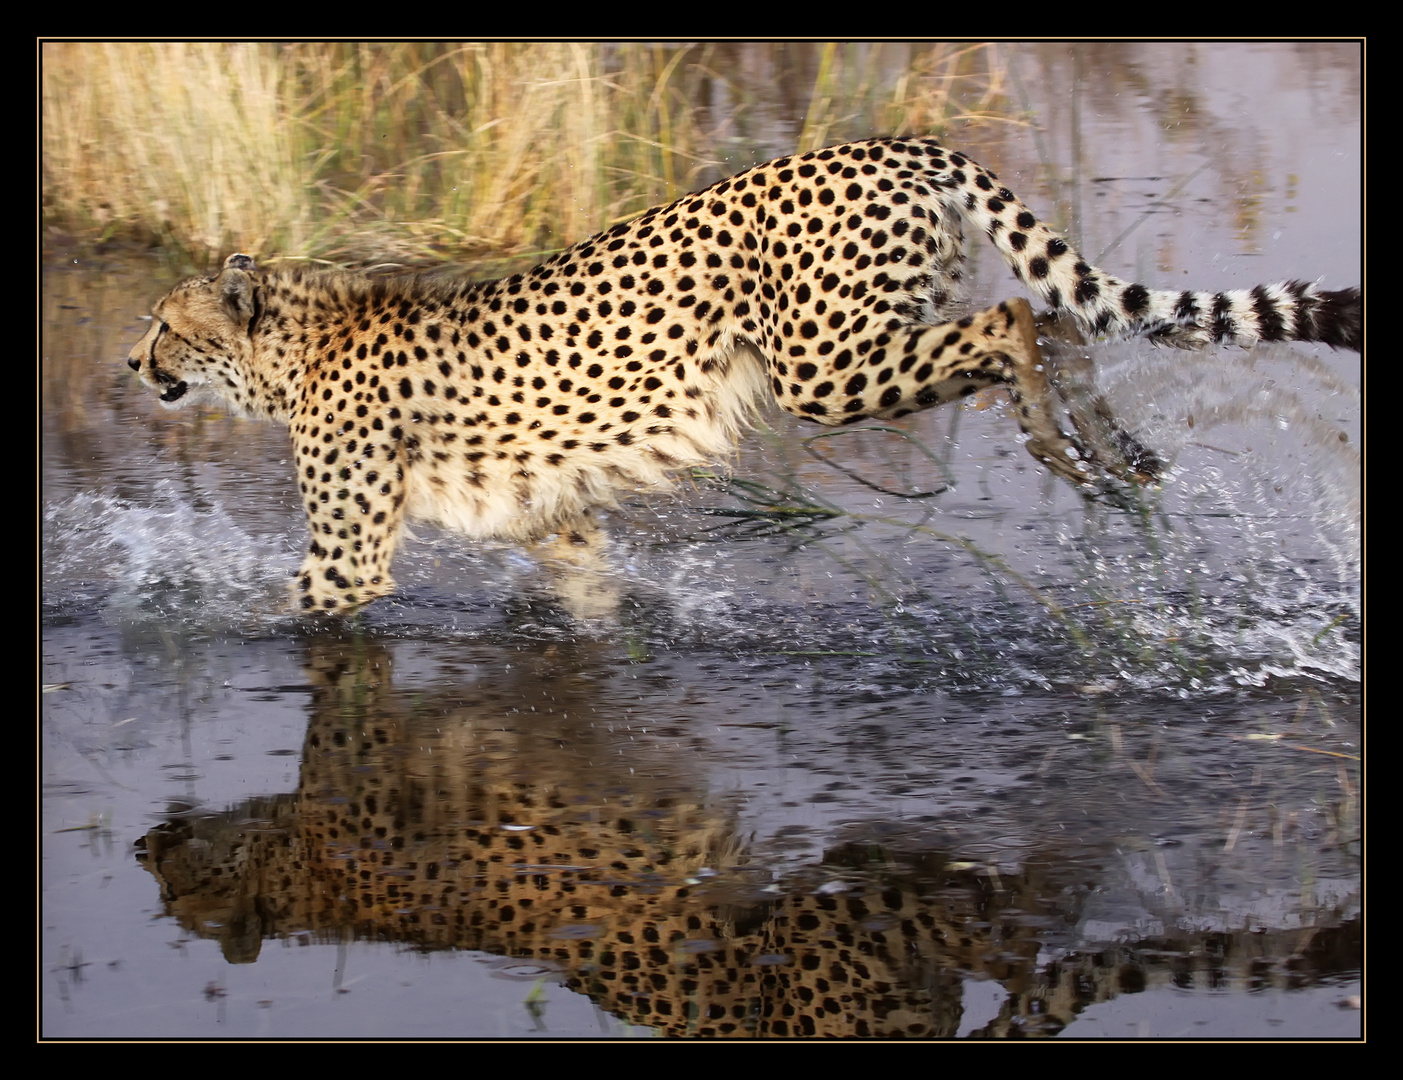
[(235, 288)]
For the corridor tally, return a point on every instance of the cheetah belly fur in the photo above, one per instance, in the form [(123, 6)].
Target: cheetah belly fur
[(513, 408)]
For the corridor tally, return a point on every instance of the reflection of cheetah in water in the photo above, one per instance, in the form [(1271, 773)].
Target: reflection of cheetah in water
[(431, 815), (513, 408)]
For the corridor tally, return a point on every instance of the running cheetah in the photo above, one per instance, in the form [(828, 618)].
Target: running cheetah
[(515, 408)]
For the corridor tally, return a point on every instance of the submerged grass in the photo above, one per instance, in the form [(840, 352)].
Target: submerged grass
[(785, 506), (424, 151)]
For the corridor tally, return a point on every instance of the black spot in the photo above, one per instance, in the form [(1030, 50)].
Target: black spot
[(1135, 299), (1224, 327), (1271, 326)]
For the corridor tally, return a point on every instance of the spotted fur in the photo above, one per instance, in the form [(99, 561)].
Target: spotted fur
[(514, 408)]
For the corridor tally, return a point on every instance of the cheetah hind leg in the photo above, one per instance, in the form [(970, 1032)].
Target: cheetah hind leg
[(578, 559), (1073, 379), (1101, 446)]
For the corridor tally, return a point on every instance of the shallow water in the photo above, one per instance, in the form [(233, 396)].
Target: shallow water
[(941, 750)]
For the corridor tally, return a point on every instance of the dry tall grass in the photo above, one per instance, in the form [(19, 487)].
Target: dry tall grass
[(343, 152)]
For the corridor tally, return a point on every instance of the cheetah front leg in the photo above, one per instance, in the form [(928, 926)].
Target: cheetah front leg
[(355, 508)]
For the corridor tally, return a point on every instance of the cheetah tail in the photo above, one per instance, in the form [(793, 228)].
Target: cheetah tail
[(1339, 320), (1289, 311)]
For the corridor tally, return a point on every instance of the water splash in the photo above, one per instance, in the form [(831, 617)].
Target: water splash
[(169, 560)]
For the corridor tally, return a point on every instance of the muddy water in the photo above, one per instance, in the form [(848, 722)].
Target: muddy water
[(895, 736)]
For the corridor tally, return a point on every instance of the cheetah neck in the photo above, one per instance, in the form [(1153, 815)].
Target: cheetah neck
[(311, 324)]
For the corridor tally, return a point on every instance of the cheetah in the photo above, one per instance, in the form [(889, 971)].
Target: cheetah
[(516, 408)]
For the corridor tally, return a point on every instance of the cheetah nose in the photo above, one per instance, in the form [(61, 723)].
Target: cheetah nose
[(134, 364)]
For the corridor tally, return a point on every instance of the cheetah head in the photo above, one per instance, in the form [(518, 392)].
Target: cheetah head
[(199, 343)]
